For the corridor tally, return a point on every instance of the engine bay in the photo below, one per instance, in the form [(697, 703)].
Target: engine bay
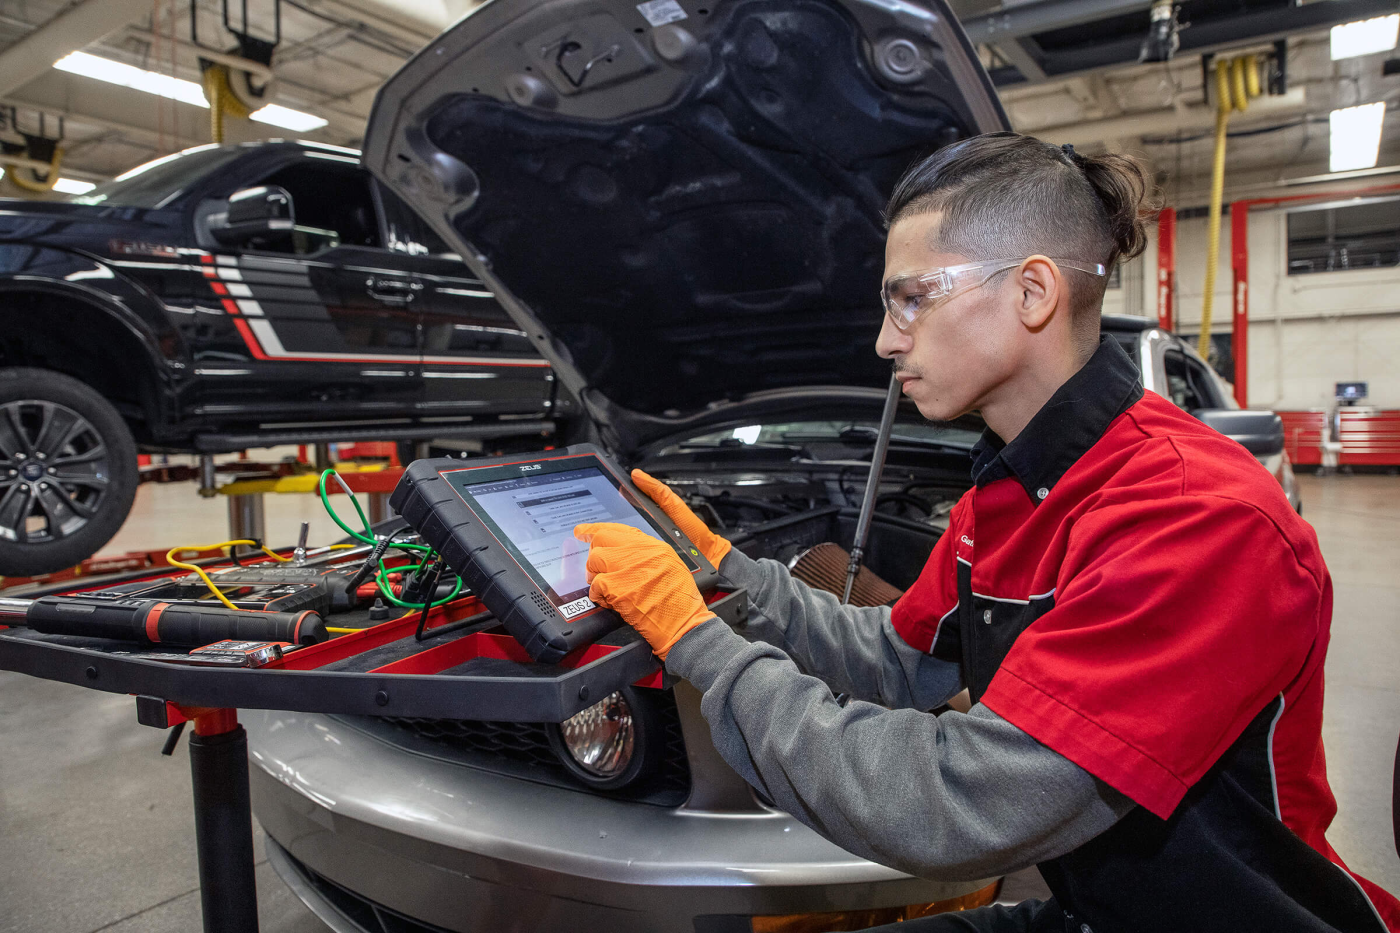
[(777, 491)]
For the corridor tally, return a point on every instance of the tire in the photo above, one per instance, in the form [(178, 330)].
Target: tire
[(68, 471)]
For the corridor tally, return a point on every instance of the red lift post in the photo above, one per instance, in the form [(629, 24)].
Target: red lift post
[(1166, 268), (1239, 264), (1239, 327)]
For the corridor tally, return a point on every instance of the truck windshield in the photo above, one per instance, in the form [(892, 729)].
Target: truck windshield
[(159, 182)]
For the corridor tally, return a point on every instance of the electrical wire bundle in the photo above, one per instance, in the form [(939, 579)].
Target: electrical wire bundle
[(427, 572), (429, 569)]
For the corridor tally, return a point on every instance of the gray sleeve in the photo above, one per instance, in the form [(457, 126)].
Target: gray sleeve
[(950, 797), (853, 649)]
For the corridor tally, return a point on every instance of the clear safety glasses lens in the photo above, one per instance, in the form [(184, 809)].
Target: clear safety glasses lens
[(908, 297)]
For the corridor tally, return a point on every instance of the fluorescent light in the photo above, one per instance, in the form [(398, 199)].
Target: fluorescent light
[(1365, 37), (287, 118), (73, 186), (1356, 136), (104, 69)]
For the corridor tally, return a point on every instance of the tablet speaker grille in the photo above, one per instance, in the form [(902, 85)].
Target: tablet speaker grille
[(542, 604)]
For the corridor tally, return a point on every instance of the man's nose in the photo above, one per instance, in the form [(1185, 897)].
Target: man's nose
[(892, 341)]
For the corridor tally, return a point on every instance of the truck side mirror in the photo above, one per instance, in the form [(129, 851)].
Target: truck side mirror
[(1261, 432), (264, 212)]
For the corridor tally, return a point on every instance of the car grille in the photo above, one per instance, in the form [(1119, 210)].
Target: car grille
[(366, 914), (522, 750)]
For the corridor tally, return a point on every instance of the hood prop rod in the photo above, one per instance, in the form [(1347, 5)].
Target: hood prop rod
[(872, 486)]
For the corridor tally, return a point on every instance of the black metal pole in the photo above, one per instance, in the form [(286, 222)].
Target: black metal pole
[(223, 826), (872, 485)]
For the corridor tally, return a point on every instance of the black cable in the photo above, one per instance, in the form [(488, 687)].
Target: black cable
[(429, 594), (1233, 134), (480, 620), (173, 739), (371, 563)]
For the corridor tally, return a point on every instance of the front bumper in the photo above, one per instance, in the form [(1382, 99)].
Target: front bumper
[(467, 850)]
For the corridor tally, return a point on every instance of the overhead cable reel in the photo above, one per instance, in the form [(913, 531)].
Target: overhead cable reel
[(240, 81), (22, 161)]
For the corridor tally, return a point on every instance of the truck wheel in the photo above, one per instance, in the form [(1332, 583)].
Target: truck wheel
[(68, 471)]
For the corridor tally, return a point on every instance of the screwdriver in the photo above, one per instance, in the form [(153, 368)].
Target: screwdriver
[(156, 622)]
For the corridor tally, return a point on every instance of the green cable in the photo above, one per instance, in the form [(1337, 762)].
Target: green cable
[(366, 538), (379, 577), (325, 501), (388, 594)]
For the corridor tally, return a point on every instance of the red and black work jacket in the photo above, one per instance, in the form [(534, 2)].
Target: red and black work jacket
[(1133, 590)]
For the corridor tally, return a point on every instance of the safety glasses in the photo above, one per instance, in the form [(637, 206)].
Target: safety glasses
[(908, 297)]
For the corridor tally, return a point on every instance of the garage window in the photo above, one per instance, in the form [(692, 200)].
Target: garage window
[(332, 204), (1189, 382), (1342, 237)]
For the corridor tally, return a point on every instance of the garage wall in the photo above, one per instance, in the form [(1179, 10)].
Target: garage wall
[(1306, 332)]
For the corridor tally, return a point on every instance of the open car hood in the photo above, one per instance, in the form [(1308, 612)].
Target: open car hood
[(680, 201)]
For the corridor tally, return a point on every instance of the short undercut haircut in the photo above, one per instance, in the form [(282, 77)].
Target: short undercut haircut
[(1008, 196)]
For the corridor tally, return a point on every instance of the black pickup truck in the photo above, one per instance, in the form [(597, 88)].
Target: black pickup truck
[(225, 298)]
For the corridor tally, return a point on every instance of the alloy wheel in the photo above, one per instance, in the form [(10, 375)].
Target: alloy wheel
[(54, 471)]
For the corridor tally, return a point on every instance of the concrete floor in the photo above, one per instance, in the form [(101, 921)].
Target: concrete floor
[(97, 826)]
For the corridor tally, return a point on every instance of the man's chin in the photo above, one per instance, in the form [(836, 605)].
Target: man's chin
[(931, 404), (939, 411)]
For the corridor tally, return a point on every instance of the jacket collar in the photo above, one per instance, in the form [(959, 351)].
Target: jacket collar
[(1064, 429)]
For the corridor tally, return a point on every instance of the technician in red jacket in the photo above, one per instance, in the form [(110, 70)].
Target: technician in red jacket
[(1140, 617)]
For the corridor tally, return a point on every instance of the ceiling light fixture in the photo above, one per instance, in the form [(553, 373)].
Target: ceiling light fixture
[(104, 69), (287, 118), (73, 186), (1356, 136), (1365, 37)]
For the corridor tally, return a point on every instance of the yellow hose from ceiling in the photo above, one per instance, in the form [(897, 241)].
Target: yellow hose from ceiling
[(1236, 80), (17, 174), (222, 101)]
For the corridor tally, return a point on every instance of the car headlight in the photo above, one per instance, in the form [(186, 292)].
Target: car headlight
[(603, 745)]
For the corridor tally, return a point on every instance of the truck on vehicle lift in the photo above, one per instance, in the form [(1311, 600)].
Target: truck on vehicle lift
[(229, 297)]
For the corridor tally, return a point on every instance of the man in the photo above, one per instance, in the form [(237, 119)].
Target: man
[(1140, 618)]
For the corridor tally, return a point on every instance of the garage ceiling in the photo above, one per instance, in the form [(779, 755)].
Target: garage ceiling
[(1066, 69)]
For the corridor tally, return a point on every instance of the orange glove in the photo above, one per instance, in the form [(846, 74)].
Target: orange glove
[(644, 580), (710, 544)]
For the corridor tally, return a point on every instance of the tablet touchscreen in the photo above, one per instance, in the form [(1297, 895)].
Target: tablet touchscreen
[(535, 517)]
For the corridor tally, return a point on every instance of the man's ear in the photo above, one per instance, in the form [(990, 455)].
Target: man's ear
[(1039, 286)]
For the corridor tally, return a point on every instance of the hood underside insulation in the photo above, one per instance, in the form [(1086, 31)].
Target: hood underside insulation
[(726, 242)]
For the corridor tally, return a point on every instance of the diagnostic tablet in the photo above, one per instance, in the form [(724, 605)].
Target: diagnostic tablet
[(506, 526)]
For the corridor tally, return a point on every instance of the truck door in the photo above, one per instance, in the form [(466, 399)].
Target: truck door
[(332, 316), (476, 360)]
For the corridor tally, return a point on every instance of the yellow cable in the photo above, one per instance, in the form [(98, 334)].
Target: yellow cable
[(1239, 95), (1217, 192), (348, 631), (1251, 76), (222, 101), (17, 174), (170, 559)]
